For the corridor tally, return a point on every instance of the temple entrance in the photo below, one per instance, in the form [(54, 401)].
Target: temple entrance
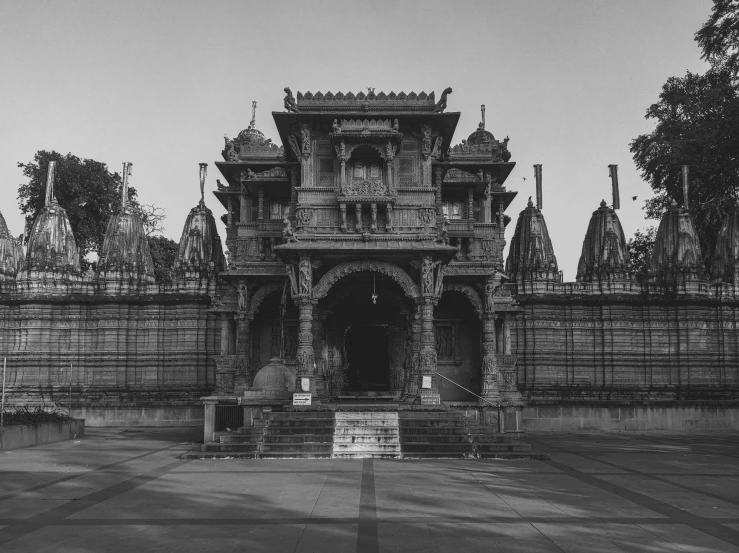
[(367, 352)]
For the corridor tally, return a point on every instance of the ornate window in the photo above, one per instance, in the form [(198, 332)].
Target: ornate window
[(453, 209)]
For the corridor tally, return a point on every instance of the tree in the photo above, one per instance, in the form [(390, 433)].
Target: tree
[(640, 248), (697, 124), (163, 253), (87, 191)]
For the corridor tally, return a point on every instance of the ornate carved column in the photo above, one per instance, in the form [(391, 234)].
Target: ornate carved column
[(260, 205), (358, 209), (230, 216), (293, 191), (342, 208), (389, 223), (243, 205), (438, 178), (373, 226), (306, 378), (490, 376), (225, 362), (225, 331), (319, 340), (412, 359), (470, 203), (244, 376), (428, 390)]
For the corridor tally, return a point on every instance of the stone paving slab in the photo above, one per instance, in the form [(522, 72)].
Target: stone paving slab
[(118, 490)]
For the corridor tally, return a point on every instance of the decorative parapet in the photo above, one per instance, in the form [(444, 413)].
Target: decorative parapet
[(364, 102)]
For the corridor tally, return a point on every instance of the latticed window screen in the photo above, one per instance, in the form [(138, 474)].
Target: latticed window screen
[(326, 172)]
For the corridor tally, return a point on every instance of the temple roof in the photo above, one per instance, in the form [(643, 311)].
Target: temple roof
[(125, 247), (726, 260), (51, 244), (677, 247), (604, 251), (200, 245), (11, 253), (366, 101), (531, 254)]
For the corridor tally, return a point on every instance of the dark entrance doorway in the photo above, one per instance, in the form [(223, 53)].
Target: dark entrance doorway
[(368, 358)]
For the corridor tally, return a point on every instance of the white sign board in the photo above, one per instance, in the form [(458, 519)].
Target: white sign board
[(305, 384), (301, 399), (426, 382)]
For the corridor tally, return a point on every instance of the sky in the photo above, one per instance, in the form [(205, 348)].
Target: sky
[(158, 83)]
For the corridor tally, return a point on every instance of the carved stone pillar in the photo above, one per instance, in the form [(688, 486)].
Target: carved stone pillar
[(438, 178), (293, 191), (506, 337), (358, 210), (412, 360), (260, 205), (305, 347), (225, 362), (490, 376), (342, 208), (225, 334), (342, 183), (244, 376), (230, 216), (429, 394), (389, 223), (470, 203), (373, 226), (319, 341), (243, 206)]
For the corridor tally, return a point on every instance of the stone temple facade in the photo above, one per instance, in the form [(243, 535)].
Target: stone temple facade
[(366, 261)]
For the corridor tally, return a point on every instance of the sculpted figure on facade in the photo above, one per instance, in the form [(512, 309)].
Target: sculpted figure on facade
[(290, 270), (441, 104), (287, 231), (231, 154), (442, 236), (336, 127), (294, 146), (305, 138), (306, 277), (242, 297), (290, 104)]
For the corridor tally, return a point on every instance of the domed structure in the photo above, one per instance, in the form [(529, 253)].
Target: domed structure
[(531, 255), (677, 249), (200, 245), (726, 260), (11, 253), (51, 244), (125, 247), (604, 253), (275, 376)]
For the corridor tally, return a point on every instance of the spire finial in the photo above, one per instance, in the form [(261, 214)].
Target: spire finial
[(253, 114), (482, 110), (50, 183), (613, 172), (124, 191), (537, 175), (203, 172), (686, 185)]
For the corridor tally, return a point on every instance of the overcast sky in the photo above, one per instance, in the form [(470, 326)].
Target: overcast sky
[(159, 83)]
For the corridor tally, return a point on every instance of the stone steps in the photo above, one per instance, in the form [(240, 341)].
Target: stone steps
[(356, 433)]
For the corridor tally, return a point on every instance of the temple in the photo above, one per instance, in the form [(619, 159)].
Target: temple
[(365, 264)]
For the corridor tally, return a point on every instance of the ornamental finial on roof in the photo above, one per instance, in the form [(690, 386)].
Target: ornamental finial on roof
[(203, 172), (253, 114), (50, 183), (124, 190), (482, 110)]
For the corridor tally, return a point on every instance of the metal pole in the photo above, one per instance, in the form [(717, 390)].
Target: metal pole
[(69, 402), (2, 403)]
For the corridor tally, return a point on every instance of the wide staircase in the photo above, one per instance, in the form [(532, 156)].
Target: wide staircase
[(366, 433)]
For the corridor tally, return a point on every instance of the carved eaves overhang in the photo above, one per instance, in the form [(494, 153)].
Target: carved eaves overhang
[(271, 174), (443, 124), (469, 171)]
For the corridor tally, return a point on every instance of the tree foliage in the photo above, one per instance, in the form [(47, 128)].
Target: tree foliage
[(640, 248), (89, 193), (163, 253), (697, 124)]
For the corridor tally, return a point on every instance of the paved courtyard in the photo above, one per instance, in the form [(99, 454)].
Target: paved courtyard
[(125, 490)]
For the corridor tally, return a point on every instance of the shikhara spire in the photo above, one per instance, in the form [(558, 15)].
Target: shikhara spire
[(50, 183), (124, 191)]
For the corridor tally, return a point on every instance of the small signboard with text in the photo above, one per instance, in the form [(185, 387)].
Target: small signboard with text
[(301, 399)]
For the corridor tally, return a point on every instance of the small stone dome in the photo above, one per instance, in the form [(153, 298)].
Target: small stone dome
[(275, 376), (251, 135), (726, 260), (604, 251), (11, 253), (481, 136), (125, 247), (51, 244), (677, 247), (200, 245), (531, 254)]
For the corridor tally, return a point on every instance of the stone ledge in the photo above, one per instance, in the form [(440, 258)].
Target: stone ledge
[(27, 435)]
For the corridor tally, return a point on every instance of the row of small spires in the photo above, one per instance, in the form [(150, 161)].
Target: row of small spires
[(51, 246), (676, 254)]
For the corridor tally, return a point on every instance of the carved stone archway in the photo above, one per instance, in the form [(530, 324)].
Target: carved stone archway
[(335, 274), (471, 295), (259, 296)]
